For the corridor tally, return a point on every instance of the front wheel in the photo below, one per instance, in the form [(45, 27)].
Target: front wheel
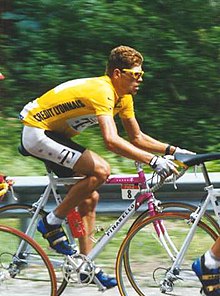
[(180, 207), (142, 262), (25, 268)]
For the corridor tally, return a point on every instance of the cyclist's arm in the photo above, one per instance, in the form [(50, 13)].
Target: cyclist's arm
[(117, 144), (141, 140)]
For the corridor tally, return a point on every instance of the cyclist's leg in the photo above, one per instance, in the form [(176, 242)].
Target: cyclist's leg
[(75, 158), (84, 196), (81, 161), (96, 171), (66, 157), (87, 210)]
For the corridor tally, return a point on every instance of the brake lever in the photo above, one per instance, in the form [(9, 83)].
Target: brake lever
[(10, 185)]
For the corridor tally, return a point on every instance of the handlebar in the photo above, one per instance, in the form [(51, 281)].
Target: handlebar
[(185, 161), (162, 181)]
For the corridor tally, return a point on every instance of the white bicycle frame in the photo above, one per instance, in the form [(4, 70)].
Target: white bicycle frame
[(52, 186)]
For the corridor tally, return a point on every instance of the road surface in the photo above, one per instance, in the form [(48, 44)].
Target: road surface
[(92, 291)]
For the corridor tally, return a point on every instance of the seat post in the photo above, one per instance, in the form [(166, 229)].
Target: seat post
[(205, 174), (47, 166)]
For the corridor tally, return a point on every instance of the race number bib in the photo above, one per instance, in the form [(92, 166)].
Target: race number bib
[(128, 191), (82, 122)]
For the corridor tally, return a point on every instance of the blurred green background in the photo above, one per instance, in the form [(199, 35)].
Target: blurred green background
[(46, 42)]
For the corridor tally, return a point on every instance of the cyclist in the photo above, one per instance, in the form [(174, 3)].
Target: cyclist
[(207, 268), (65, 111)]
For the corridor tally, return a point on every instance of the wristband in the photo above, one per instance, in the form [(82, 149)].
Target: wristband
[(167, 151)]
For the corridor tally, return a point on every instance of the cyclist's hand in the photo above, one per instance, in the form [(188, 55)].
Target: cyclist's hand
[(164, 166), (182, 151)]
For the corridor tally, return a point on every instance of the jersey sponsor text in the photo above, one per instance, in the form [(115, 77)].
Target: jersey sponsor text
[(58, 109)]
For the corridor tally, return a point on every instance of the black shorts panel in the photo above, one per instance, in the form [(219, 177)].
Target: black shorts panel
[(60, 170)]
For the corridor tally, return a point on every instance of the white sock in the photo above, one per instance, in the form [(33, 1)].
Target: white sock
[(53, 220), (211, 262)]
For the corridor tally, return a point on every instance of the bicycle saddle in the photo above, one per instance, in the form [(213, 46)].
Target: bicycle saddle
[(23, 151), (196, 159)]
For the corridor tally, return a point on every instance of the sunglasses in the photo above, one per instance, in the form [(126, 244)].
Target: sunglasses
[(136, 74)]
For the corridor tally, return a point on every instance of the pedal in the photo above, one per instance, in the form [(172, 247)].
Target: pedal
[(99, 284), (79, 269), (166, 286)]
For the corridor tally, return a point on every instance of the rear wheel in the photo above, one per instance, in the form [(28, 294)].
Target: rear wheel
[(19, 215), (24, 266)]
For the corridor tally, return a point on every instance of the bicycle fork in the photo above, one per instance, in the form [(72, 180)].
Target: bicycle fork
[(172, 275)]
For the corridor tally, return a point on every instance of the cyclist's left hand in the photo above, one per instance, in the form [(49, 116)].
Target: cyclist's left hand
[(182, 151)]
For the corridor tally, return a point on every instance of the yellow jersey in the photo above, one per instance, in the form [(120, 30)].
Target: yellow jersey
[(72, 106)]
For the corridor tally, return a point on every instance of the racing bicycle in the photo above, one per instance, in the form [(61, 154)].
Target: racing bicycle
[(160, 245)]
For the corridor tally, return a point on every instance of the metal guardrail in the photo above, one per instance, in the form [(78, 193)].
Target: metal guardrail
[(190, 188)]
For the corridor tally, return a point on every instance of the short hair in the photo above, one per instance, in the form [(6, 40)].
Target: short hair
[(123, 57)]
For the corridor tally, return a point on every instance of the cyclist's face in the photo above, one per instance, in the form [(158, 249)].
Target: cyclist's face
[(130, 80)]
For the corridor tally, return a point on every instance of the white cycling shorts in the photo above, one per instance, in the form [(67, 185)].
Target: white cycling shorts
[(51, 146)]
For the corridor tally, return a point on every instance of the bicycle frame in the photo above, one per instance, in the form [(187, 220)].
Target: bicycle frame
[(140, 198), (54, 182)]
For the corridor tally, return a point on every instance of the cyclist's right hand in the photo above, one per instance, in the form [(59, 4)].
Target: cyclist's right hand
[(163, 166)]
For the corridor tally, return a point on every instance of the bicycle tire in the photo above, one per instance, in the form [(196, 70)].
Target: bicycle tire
[(179, 207), (15, 270), (137, 270), (22, 212)]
